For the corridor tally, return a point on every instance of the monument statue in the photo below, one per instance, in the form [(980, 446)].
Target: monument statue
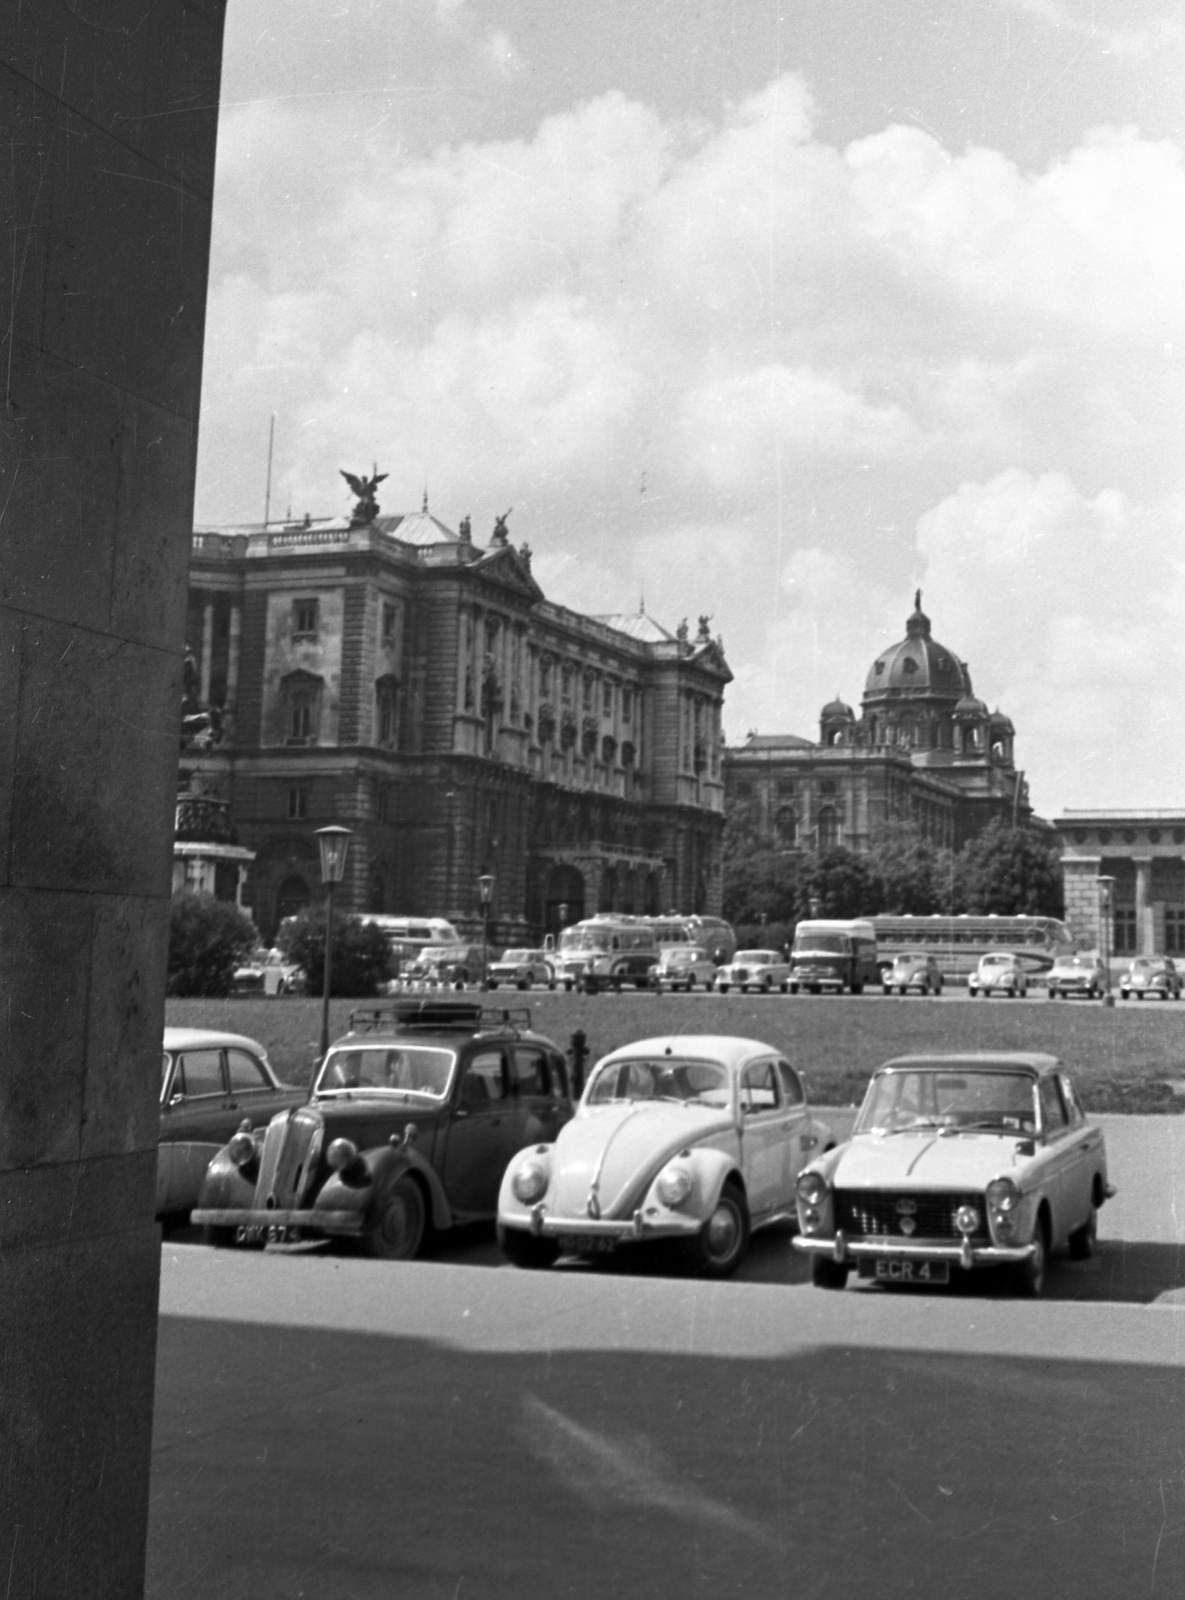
[(367, 508)]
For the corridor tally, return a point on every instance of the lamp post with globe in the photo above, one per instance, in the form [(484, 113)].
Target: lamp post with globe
[(335, 845), (485, 893), (1106, 890)]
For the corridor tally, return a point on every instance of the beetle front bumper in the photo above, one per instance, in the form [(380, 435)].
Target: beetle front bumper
[(966, 1255), (257, 1224), (622, 1230)]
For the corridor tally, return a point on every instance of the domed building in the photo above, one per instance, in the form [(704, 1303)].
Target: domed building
[(924, 749)]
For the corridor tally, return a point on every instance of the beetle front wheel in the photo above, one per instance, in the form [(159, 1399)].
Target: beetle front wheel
[(719, 1246), (828, 1274), (524, 1249)]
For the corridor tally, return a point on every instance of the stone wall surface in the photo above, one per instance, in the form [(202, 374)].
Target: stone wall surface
[(109, 111)]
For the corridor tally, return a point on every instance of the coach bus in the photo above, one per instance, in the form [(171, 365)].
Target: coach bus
[(958, 942)]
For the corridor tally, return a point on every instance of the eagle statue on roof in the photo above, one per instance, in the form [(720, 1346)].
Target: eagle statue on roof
[(367, 508)]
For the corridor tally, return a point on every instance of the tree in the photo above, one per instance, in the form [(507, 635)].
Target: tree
[(840, 881), (911, 875), (208, 939), (359, 958), (1010, 871)]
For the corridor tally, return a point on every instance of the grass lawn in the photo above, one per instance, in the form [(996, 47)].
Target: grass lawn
[(1126, 1059)]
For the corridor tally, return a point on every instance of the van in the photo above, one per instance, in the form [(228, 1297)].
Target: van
[(835, 955)]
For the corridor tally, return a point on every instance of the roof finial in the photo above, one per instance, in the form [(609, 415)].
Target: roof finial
[(642, 603), (917, 600), (424, 507)]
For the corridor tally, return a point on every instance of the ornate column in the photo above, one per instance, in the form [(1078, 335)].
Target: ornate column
[(207, 649), (1145, 932)]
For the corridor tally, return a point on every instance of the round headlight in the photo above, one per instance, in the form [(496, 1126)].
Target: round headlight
[(341, 1153), (812, 1188), (674, 1185), (1003, 1195), (529, 1182), (241, 1149)]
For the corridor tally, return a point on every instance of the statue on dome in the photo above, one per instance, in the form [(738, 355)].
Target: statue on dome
[(703, 636), (500, 536), (367, 508), (681, 632)]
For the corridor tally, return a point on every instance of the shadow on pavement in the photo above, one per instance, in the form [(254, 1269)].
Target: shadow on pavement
[(348, 1466)]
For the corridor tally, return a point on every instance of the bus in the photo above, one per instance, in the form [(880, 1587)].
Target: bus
[(958, 942), (607, 949), (712, 934)]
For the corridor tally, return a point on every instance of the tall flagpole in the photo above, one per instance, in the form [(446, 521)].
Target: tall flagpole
[(267, 499)]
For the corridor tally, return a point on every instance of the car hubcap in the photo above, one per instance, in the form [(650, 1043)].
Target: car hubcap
[(724, 1231), (401, 1224)]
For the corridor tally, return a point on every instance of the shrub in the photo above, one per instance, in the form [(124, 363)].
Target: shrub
[(208, 939), (359, 957)]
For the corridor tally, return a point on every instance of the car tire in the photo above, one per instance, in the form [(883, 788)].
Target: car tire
[(723, 988), (523, 984), (1139, 994), (829, 1274), (886, 988), (397, 1222), (856, 988), (1028, 1277), (719, 1247), (1083, 1240), (766, 986), (525, 1250), (902, 990)]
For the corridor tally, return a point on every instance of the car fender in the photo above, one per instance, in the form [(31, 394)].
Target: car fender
[(711, 1170), (225, 1187), (384, 1163), (508, 1202)]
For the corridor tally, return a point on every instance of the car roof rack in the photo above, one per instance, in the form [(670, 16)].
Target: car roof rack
[(469, 1016)]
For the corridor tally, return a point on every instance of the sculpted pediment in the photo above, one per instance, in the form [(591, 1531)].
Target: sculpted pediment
[(507, 567)]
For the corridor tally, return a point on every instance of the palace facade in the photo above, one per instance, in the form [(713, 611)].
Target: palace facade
[(924, 750), (388, 674)]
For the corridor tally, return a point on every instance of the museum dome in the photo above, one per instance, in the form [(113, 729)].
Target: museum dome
[(918, 664), (838, 709), (971, 706)]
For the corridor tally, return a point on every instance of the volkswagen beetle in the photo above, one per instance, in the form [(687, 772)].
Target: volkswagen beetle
[(963, 1161), (999, 972), (695, 1139), (1151, 975)]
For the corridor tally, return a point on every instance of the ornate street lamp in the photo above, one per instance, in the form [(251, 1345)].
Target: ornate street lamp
[(335, 845), (814, 903), (485, 893), (1106, 888)]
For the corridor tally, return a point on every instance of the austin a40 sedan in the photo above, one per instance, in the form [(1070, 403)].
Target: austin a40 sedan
[(693, 1139), (413, 1118), (956, 1161)]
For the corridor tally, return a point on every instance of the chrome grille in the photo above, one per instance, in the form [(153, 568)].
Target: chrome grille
[(288, 1165), (877, 1213)]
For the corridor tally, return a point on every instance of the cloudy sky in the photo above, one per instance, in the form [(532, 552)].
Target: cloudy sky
[(773, 312)]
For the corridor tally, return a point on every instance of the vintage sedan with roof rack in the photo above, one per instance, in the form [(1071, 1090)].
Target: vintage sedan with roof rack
[(412, 1120), (692, 1139), (957, 1161)]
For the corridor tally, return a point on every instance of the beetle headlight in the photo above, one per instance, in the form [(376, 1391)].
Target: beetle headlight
[(674, 1185), (529, 1182), (812, 1188), (341, 1153)]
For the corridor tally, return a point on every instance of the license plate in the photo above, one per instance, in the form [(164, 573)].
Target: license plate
[(903, 1269), (586, 1244), (267, 1233)]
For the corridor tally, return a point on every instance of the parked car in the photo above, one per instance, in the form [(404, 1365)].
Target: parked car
[(913, 970), (457, 964), (522, 968), (762, 970), (685, 966), (211, 1084), (958, 1161), (1077, 974), (694, 1139), (1151, 975), (413, 1117), (268, 972), (999, 972)]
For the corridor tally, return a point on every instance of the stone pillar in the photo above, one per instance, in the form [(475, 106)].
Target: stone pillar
[(234, 643), (106, 183), (1145, 932), (207, 650), (1081, 876)]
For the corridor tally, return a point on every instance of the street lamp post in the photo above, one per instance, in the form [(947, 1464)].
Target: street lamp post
[(485, 893), (1106, 886), (335, 844), (814, 903)]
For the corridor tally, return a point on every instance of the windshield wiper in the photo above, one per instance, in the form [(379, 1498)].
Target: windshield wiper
[(921, 1126)]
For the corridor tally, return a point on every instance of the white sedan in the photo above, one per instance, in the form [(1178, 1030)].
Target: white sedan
[(762, 970), (695, 1139)]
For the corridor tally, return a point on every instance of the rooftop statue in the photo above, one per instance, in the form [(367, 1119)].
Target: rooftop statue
[(500, 535), (367, 508)]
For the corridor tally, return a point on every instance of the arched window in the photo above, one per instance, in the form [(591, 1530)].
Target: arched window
[(828, 827), (787, 825), (292, 897)]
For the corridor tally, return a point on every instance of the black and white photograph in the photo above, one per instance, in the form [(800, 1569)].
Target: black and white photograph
[(592, 799)]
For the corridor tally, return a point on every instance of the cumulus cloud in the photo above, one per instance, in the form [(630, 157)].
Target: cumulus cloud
[(735, 364)]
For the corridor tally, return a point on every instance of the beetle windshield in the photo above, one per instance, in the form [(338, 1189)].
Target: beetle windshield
[(949, 1097), (415, 1068), (698, 1082)]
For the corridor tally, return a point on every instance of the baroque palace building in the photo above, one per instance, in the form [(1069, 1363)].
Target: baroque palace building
[(923, 750), (388, 674)]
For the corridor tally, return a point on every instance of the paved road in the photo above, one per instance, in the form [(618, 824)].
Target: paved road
[(343, 1430)]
